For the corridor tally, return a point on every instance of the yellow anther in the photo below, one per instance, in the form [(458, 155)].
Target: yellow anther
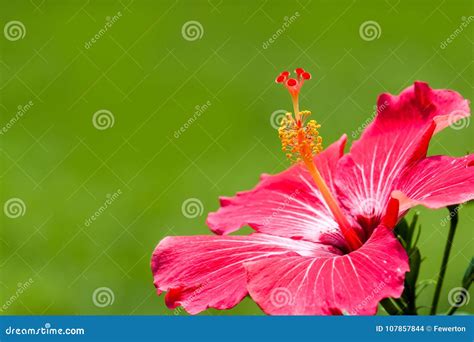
[(298, 139)]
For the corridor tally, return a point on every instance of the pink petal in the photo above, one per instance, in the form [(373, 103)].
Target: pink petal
[(353, 283), (206, 271), (367, 174), (398, 137), (419, 105), (287, 204), (437, 182)]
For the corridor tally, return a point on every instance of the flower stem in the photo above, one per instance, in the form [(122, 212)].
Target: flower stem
[(453, 213), (452, 310), (389, 306), (349, 234)]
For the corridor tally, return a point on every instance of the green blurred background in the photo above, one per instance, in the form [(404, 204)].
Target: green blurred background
[(151, 79)]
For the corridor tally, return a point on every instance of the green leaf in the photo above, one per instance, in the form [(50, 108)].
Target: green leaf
[(415, 261), (405, 232), (401, 230), (409, 294), (411, 230)]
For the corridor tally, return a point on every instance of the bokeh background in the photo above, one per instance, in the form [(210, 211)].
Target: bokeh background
[(150, 77)]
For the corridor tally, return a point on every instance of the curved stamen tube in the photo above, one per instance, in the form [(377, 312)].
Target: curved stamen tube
[(301, 141)]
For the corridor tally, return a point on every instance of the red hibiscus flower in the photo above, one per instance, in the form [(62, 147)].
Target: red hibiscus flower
[(323, 241)]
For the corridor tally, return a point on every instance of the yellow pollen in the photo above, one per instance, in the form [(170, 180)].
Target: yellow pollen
[(300, 140)]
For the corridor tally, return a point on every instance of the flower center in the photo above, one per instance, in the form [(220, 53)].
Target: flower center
[(301, 141)]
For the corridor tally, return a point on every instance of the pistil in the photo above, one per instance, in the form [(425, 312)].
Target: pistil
[(301, 142), (349, 234)]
